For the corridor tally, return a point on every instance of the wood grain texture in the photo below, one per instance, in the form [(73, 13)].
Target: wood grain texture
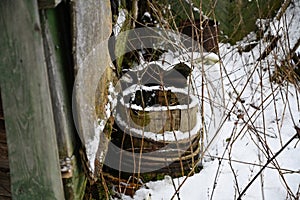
[(58, 53), (91, 25), (33, 155), (5, 192), (91, 22)]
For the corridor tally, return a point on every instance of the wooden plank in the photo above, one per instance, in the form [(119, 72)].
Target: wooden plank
[(2, 131), (3, 156), (33, 155), (4, 181), (4, 186), (55, 25), (5, 192), (57, 52), (91, 22), (1, 109), (4, 164)]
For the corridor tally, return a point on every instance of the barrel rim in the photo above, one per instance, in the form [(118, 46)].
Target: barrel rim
[(133, 88)]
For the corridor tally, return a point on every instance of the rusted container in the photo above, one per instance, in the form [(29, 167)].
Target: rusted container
[(157, 130), (170, 110)]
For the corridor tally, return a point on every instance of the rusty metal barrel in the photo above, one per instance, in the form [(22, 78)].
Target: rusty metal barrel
[(157, 128)]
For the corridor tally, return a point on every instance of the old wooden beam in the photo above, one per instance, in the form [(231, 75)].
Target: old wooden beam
[(5, 192), (57, 44), (92, 26), (33, 155)]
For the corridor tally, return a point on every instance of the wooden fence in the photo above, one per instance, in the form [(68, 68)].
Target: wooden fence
[(41, 44)]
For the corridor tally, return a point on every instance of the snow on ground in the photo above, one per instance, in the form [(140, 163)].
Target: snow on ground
[(261, 120)]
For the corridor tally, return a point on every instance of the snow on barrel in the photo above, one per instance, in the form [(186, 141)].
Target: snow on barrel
[(157, 123)]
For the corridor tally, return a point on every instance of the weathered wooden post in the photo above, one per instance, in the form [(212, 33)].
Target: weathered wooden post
[(5, 192), (36, 58), (33, 154), (91, 22), (55, 26)]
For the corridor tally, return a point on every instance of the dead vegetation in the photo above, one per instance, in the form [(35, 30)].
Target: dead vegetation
[(260, 77)]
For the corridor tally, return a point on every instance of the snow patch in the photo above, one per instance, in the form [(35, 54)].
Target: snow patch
[(92, 144), (120, 21)]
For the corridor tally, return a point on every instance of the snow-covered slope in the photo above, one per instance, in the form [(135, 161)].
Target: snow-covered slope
[(261, 116)]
